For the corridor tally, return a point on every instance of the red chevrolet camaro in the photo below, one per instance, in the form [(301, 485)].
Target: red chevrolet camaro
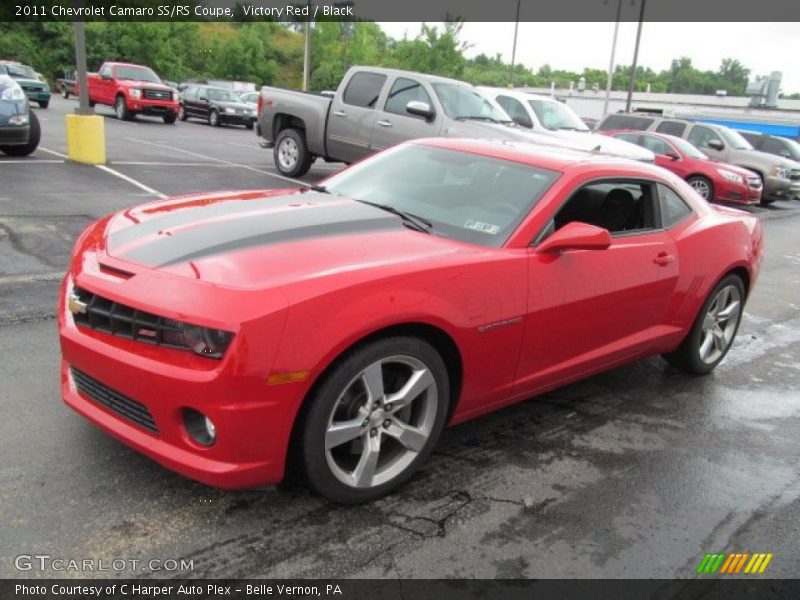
[(338, 328)]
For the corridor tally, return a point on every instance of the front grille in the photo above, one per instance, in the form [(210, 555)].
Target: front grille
[(794, 174), (102, 314), (128, 408), (32, 88), (157, 94), (754, 182)]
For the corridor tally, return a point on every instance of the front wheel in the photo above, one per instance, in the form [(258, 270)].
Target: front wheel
[(213, 118), (64, 92), (34, 135), (702, 186), (374, 420), (714, 329), (44, 104), (169, 118), (291, 153), (182, 113), (121, 109)]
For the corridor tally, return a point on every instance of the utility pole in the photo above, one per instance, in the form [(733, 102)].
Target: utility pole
[(514, 48), (632, 79), (307, 50), (610, 79), (80, 70)]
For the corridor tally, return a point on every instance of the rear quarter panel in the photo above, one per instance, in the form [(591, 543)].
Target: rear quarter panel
[(311, 109)]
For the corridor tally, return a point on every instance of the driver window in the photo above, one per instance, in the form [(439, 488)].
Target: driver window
[(105, 71), (404, 91), (700, 136), (619, 206)]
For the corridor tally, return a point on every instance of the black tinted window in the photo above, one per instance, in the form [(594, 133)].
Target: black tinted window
[(774, 146), (673, 208), (404, 91), (619, 206), (364, 89), (671, 128), (625, 122)]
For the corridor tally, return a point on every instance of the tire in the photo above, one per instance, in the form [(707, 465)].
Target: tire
[(213, 119), (92, 103), (43, 104), (169, 118), (340, 436), (33, 139), (64, 93), (182, 113), (690, 355), (291, 154), (249, 125), (703, 186), (765, 200), (121, 109)]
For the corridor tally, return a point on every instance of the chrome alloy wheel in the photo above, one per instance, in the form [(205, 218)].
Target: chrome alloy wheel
[(719, 324), (701, 187), (288, 153), (381, 421)]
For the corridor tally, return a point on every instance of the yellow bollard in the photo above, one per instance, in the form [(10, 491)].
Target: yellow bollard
[(86, 139)]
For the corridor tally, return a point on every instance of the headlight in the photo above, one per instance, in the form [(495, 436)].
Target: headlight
[(730, 176), (230, 110), (211, 343), (13, 93), (18, 120), (780, 172), (136, 94)]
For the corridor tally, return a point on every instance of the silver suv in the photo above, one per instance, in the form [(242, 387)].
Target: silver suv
[(781, 176)]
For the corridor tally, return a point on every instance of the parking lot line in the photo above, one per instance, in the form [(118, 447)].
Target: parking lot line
[(11, 279), (131, 180), (30, 160), (43, 149), (151, 163), (219, 160)]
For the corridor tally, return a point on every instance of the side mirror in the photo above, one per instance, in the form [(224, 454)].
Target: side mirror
[(715, 144), (671, 154), (522, 121), (576, 236), (421, 109), (106, 76)]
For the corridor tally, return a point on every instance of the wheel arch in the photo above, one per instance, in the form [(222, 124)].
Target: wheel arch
[(437, 337), (283, 121)]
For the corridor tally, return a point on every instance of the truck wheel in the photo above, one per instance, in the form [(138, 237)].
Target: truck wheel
[(292, 157), (64, 92), (765, 200), (121, 109), (169, 118), (92, 103), (33, 139), (182, 113)]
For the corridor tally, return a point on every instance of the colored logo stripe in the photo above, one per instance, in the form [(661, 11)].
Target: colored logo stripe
[(734, 562)]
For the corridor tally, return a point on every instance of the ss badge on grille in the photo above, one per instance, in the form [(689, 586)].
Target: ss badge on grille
[(76, 305)]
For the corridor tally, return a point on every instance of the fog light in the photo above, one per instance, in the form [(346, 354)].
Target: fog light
[(199, 427), (18, 120)]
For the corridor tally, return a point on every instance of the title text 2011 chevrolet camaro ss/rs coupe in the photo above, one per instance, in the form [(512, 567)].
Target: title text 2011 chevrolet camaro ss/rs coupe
[(338, 328)]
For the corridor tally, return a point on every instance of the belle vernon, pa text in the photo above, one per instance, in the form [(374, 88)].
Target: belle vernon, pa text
[(129, 589)]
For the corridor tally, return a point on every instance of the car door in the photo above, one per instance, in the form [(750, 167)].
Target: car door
[(590, 308), (703, 137), (352, 116), (189, 99), (202, 103), (105, 86), (394, 124)]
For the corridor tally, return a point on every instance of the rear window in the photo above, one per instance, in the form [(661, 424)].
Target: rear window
[(364, 89), (671, 128), (625, 122), (673, 208)]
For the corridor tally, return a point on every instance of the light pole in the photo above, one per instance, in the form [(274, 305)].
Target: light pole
[(307, 50), (80, 70), (514, 48), (610, 78), (632, 79)]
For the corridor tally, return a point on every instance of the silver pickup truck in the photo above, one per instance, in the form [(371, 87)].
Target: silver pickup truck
[(375, 108)]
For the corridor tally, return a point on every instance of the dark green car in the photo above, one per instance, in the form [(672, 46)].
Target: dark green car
[(35, 89), (19, 127)]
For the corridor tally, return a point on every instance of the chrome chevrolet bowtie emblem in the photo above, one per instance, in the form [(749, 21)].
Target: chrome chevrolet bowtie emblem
[(76, 305)]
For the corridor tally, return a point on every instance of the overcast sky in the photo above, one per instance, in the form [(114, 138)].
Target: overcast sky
[(761, 47)]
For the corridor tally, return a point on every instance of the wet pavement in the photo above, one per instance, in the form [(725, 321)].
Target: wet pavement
[(637, 472)]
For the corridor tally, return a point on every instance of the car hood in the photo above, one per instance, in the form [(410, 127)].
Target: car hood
[(266, 239), (29, 81), (231, 104), (586, 140), (138, 83), (760, 159)]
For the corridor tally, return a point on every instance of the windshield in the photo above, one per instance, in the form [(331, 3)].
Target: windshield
[(466, 197), (734, 139), (687, 148), (222, 95), (794, 148), (555, 115), (21, 71), (137, 74), (463, 102)]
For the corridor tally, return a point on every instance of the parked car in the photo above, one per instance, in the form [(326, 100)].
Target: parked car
[(68, 84), (715, 181), (19, 126), (773, 144), (352, 320), (132, 89), (547, 117), (780, 177), (35, 88), (250, 98), (375, 108), (216, 106)]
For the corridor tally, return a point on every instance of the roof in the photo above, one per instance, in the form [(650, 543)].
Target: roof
[(413, 74), (519, 95), (549, 157)]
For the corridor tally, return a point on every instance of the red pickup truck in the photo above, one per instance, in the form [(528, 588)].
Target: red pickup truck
[(131, 90)]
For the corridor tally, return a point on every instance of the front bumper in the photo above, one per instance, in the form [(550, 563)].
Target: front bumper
[(253, 420), (154, 108), (38, 96), (16, 135), (236, 119), (736, 193), (777, 187)]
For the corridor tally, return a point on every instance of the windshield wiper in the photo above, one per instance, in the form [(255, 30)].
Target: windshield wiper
[(409, 219)]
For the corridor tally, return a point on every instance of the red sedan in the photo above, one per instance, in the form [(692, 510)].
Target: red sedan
[(715, 181), (344, 325)]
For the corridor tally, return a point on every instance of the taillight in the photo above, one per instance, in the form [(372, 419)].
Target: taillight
[(260, 104)]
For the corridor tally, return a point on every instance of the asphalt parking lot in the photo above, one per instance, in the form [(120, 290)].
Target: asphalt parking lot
[(634, 473)]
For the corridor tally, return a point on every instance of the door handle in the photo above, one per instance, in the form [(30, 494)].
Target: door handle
[(384, 123), (340, 113), (663, 259)]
